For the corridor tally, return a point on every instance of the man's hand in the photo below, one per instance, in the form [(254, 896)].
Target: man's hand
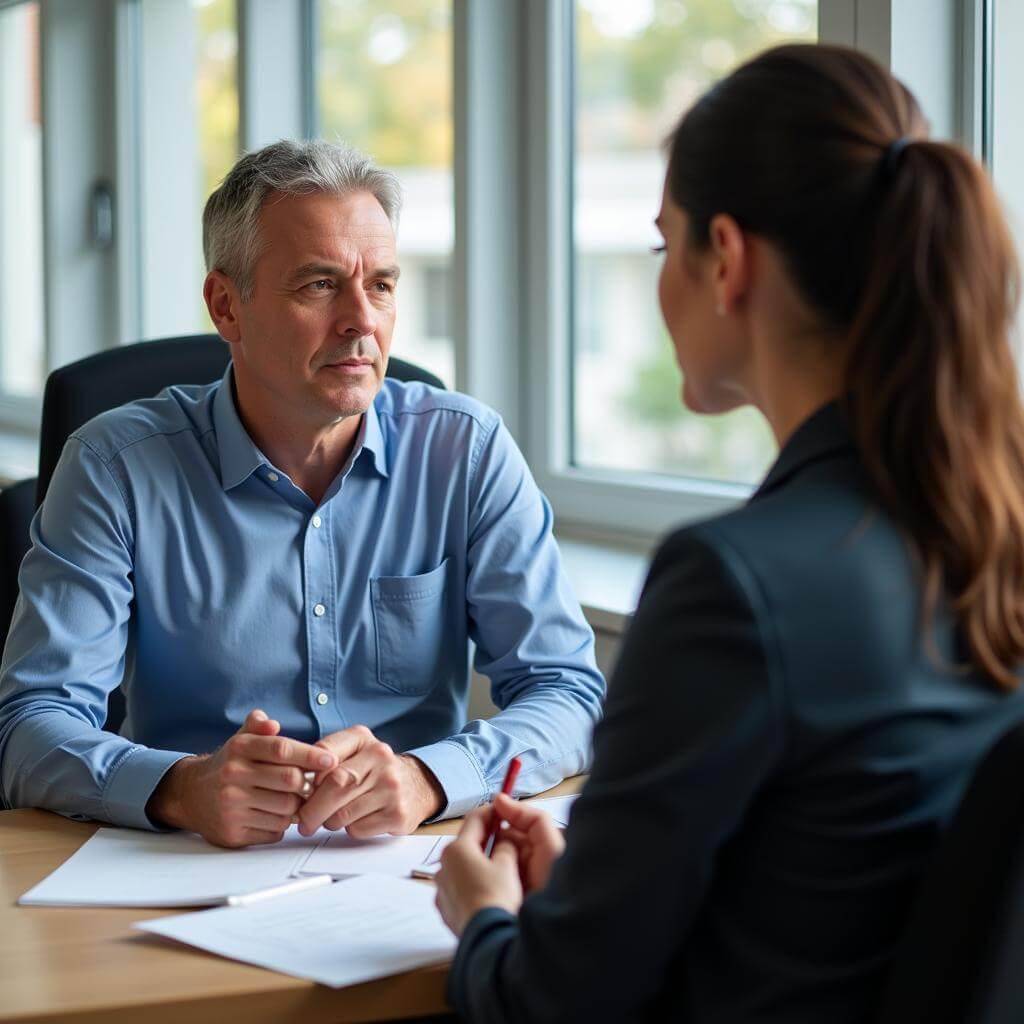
[(372, 790), (245, 793), (468, 882)]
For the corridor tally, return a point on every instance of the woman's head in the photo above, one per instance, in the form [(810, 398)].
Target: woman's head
[(898, 257)]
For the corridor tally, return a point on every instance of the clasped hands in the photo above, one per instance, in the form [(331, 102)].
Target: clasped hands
[(258, 784)]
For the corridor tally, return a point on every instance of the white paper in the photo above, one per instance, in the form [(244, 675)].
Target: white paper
[(557, 807), (121, 867), (352, 931), (342, 856)]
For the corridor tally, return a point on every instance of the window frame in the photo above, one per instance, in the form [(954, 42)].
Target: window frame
[(511, 267), (639, 507)]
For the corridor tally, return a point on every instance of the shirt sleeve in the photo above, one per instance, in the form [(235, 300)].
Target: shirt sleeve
[(66, 652), (692, 731), (531, 639)]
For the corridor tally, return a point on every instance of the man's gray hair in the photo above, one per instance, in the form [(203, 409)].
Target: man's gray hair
[(231, 235)]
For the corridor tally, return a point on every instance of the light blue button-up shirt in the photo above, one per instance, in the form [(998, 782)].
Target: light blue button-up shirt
[(172, 557)]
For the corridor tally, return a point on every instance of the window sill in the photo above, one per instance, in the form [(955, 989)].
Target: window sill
[(19, 456), (607, 577)]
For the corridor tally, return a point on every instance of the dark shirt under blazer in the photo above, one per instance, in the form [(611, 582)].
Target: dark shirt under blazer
[(782, 747)]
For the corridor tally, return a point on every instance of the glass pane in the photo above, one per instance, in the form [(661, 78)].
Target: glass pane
[(216, 105), (22, 323), (384, 85), (638, 66), (1007, 83)]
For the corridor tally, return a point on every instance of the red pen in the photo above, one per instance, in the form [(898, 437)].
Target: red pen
[(506, 787)]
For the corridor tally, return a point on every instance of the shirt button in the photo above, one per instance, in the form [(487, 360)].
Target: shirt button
[(321, 699), (318, 610), (317, 522), (273, 477)]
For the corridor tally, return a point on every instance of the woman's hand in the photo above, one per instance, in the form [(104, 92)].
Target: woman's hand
[(468, 881), (522, 860), (537, 839)]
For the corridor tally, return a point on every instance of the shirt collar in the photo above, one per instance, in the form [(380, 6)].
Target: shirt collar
[(823, 434), (239, 456), (372, 438)]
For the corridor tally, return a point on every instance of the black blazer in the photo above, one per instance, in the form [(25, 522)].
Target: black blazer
[(780, 752)]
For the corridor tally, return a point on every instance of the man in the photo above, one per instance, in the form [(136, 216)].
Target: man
[(285, 567)]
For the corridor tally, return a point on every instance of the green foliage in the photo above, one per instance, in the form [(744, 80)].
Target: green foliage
[(385, 79)]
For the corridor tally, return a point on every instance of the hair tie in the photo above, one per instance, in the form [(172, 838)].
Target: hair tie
[(891, 158)]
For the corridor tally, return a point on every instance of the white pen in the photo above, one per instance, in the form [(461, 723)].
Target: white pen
[(299, 885)]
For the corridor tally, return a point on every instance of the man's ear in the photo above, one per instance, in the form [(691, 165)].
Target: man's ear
[(731, 261), (223, 303)]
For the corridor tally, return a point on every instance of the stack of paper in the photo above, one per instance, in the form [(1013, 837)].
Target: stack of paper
[(342, 856), (353, 931), (121, 867)]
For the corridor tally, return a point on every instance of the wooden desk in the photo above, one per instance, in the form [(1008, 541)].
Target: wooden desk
[(86, 965)]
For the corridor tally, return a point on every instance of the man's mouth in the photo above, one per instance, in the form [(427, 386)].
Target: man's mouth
[(349, 366)]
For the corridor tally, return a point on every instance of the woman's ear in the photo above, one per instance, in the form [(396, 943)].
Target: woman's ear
[(730, 262)]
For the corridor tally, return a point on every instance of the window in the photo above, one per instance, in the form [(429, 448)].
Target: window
[(188, 139), (384, 85), (637, 66), (549, 113), (22, 320), (1004, 133), (216, 103)]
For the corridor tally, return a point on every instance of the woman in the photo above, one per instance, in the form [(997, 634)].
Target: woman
[(809, 680)]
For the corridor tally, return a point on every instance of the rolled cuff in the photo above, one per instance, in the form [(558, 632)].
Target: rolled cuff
[(459, 775), (131, 784)]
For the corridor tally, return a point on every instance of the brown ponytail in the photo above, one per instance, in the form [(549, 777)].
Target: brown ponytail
[(904, 252)]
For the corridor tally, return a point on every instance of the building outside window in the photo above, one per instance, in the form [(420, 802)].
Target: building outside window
[(638, 65), (384, 85), (22, 317)]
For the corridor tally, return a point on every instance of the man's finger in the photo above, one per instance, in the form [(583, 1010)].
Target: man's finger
[(266, 821), (283, 778), (261, 836), (356, 811), (281, 750), (281, 804), (326, 801), (347, 742), (357, 768)]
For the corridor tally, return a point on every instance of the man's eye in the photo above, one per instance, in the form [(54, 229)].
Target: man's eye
[(319, 286), (384, 287)]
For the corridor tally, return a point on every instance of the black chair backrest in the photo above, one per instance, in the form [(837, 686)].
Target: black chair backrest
[(961, 960), (81, 390), (17, 505)]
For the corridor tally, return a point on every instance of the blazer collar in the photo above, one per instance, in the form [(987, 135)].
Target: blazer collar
[(822, 435)]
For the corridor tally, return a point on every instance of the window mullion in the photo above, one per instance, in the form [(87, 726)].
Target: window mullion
[(276, 75), (489, 297)]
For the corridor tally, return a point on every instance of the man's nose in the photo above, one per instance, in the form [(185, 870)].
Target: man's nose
[(356, 316)]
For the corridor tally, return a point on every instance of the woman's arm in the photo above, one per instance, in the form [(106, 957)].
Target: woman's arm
[(693, 728)]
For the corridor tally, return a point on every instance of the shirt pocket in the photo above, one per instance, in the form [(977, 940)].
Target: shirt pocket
[(411, 620)]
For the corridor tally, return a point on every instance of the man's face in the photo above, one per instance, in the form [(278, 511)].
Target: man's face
[(314, 338)]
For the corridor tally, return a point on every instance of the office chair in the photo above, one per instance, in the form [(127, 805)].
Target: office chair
[(961, 960), (75, 393)]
